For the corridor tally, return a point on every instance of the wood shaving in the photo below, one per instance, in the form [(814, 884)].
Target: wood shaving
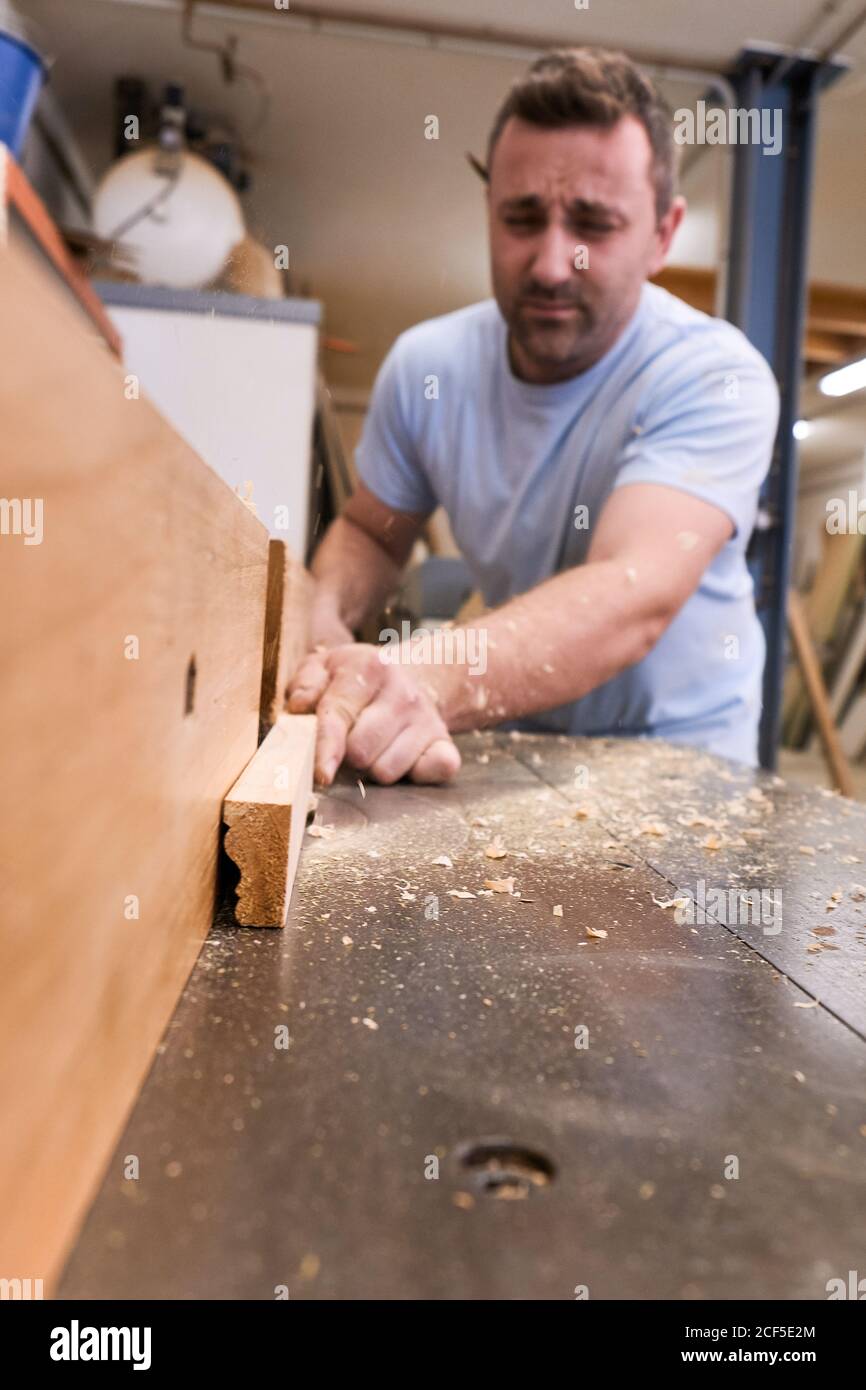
[(597, 932), (444, 860), (459, 893), (371, 1024), (823, 931), (653, 827), (500, 885), (557, 911), (806, 849), (813, 1004), (711, 842), (669, 902), (321, 832), (496, 849)]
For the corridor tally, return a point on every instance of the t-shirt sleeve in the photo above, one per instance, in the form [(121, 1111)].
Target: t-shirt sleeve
[(387, 457), (708, 430)]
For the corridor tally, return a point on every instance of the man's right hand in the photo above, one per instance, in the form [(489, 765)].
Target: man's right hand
[(379, 717)]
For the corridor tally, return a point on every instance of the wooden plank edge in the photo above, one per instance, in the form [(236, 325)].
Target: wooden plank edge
[(266, 815), (287, 629), (20, 194)]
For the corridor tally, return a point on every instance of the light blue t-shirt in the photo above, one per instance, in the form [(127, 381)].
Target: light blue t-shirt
[(680, 399)]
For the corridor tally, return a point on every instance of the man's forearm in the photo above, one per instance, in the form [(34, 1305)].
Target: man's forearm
[(551, 645), (353, 577)]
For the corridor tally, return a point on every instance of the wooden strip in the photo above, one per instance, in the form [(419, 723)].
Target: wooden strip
[(837, 309), (824, 606), (826, 349), (339, 467), (835, 757), (131, 634), (287, 628), (852, 732), (17, 190), (852, 665), (266, 812), (830, 309)]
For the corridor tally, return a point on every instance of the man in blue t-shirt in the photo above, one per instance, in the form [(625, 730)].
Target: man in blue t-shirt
[(598, 447)]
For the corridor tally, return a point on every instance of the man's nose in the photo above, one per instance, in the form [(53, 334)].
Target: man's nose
[(554, 262)]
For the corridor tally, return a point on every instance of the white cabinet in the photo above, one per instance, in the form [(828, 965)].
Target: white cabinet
[(236, 377)]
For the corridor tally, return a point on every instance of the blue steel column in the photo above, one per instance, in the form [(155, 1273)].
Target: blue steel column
[(765, 296)]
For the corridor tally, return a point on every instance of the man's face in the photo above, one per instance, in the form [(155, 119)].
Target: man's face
[(573, 236)]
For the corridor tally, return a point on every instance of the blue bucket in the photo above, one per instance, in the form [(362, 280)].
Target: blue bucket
[(22, 73)]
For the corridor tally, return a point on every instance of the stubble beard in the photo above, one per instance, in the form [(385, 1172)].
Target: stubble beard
[(558, 351), (552, 345)]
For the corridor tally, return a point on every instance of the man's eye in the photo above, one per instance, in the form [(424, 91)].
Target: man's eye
[(524, 224), (593, 229)]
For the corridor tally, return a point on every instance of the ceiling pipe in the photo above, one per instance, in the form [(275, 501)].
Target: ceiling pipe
[(482, 39)]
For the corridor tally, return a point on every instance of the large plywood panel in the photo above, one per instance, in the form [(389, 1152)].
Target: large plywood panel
[(131, 631)]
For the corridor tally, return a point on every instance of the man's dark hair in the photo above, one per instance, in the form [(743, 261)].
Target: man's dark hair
[(594, 87)]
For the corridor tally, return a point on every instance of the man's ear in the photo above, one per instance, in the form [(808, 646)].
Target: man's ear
[(665, 233)]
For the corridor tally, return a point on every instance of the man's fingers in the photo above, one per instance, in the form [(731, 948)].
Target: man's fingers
[(438, 763), (379, 725), (332, 729), (400, 754), (308, 684), (351, 689)]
